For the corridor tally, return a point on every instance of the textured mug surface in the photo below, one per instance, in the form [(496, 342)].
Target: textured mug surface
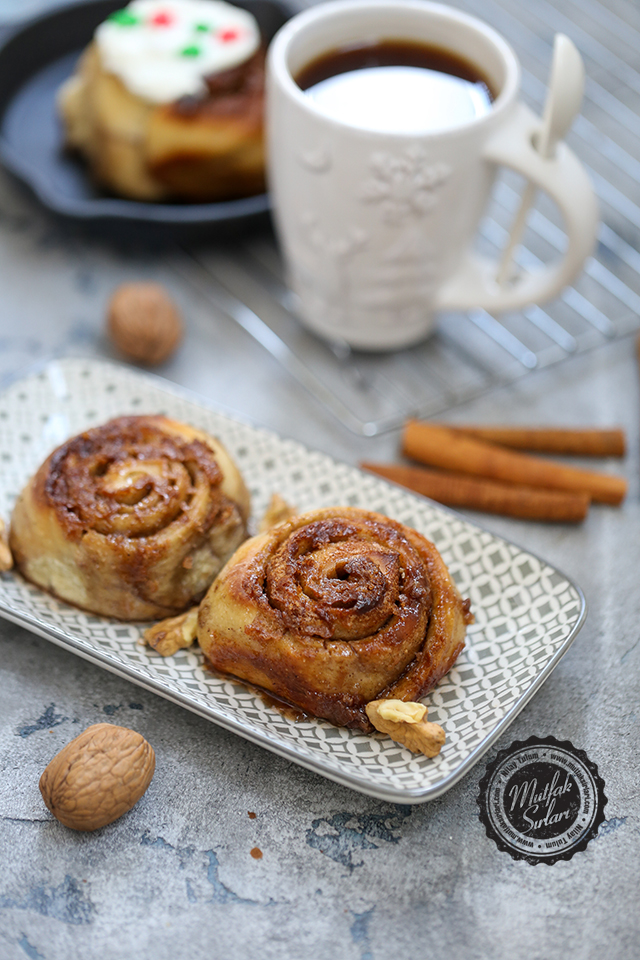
[(377, 228)]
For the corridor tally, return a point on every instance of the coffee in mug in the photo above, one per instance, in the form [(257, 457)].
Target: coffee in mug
[(377, 191), (396, 86)]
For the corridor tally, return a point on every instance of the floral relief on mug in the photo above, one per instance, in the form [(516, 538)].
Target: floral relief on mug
[(398, 275), (315, 160), (338, 248), (333, 255), (404, 185), (347, 291)]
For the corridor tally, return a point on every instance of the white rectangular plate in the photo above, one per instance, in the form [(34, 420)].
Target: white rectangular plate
[(526, 612)]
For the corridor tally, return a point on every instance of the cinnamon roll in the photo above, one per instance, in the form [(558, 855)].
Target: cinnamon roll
[(132, 519), (333, 609), (167, 102)]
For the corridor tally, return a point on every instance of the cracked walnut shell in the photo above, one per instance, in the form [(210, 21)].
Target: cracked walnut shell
[(98, 776)]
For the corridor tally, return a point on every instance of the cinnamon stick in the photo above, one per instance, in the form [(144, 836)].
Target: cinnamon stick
[(442, 447), (585, 442), (488, 496)]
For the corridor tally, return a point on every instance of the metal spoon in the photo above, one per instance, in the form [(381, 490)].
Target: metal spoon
[(564, 96)]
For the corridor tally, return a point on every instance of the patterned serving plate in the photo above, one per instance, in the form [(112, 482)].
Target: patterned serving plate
[(527, 613)]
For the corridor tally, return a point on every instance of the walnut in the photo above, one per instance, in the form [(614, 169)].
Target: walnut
[(173, 634), (98, 776), (416, 734), (401, 712), (277, 512), (144, 323)]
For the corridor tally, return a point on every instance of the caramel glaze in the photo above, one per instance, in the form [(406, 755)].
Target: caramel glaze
[(71, 480), (336, 611), (72, 484), (283, 707)]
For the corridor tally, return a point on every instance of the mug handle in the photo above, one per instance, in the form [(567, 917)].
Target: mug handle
[(564, 179)]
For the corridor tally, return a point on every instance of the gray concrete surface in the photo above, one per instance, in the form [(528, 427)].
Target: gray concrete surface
[(342, 876)]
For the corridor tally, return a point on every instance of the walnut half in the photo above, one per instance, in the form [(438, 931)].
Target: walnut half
[(277, 512), (168, 636), (406, 723)]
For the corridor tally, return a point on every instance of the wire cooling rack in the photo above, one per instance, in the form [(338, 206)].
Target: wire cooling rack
[(474, 352)]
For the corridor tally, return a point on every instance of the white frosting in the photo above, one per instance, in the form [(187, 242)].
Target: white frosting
[(162, 49)]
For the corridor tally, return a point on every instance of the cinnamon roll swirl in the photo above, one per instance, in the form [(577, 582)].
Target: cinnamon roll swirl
[(132, 519), (332, 609)]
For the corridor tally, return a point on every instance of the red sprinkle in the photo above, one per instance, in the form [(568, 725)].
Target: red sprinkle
[(162, 19), (227, 36)]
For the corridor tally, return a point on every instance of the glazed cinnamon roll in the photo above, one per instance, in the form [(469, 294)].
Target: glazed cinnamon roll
[(332, 609), (132, 519)]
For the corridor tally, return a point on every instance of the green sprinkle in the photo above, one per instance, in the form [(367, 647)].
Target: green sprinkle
[(124, 18), (202, 28), (190, 52)]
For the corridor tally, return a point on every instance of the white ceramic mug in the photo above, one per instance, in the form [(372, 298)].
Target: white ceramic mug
[(377, 228)]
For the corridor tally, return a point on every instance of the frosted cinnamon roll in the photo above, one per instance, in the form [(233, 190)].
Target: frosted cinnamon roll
[(167, 102), (132, 519), (332, 609)]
